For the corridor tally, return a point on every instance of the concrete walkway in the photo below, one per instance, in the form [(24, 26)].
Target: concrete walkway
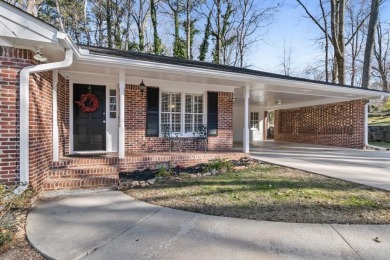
[(111, 225), (371, 168)]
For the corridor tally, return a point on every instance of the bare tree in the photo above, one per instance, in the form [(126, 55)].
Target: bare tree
[(252, 24), (381, 66), (336, 35), (374, 13), (140, 14), (285, 60), (356, 12)]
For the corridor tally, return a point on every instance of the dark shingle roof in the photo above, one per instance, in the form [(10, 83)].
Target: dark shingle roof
[(200, 64)]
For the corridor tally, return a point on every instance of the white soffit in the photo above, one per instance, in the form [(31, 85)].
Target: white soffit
[(16, 25)]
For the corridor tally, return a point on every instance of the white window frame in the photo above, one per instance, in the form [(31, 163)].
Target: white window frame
[(183, 112), (252, 121)]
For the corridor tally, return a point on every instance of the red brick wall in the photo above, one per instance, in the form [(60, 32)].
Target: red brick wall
[(40, 118), (41, 128), (135, 124), (11, 62), (339, 124), (63, 115)]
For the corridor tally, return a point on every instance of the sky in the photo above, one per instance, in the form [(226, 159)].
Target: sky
[(292, 27)]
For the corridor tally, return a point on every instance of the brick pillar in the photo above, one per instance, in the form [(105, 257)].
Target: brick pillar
[(265, 126)]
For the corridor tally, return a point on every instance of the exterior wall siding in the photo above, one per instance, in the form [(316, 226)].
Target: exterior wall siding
[(41, 128), (40, 118), (11, 62), (135, 124), (339, 124)]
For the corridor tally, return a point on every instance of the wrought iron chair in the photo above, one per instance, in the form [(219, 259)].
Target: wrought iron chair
[(170, 137), (201, 136)]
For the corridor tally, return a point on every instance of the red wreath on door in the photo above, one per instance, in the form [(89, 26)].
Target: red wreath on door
[(88, 103)]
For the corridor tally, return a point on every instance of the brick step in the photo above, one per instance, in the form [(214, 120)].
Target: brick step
[(83, 171), (80, 183), (66, 162)]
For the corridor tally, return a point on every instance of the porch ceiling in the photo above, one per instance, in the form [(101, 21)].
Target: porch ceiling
[(265, 92)]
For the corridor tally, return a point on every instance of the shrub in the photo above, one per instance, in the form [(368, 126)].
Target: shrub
[(163, 172), (218, 165)]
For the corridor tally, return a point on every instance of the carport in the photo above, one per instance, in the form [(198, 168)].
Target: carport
[(365, 167), (305, 111)]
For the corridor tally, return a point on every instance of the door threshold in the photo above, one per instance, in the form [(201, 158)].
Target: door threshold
[(89, 152)]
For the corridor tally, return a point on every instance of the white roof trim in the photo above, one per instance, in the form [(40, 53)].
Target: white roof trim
[(16, 24), (251, 79)]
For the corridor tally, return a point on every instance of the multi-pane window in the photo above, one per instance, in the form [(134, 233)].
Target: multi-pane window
[(181, 114), (254, 122), (194, 113), (171, 112), (112, 103)]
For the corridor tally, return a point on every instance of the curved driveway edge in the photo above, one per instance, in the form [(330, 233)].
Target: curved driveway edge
[(112, 225)]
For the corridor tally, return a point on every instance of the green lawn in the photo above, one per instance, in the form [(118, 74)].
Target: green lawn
[(380, 144), (273, 193), (379, 121)]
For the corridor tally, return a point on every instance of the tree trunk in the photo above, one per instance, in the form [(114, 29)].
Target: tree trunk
[(109, 24), (217, 53), (374, 13), (157, 41), (188, 9)]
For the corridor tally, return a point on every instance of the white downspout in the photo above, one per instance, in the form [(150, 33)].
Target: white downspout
[(24, 114), (55, 116)]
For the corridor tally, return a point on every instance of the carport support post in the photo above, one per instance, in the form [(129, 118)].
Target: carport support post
[(246, 121), (122, 82)]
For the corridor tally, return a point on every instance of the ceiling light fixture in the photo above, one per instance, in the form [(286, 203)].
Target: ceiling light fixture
[(279, 102), (39, 57)]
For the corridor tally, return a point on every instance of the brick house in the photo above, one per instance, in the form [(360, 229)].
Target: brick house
[(42, 125)]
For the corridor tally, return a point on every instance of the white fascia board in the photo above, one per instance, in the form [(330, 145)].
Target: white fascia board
[(18, 24), (309, 103), (125, 63)]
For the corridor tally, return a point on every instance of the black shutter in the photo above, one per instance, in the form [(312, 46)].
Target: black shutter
[(212, 113), (152, 112)]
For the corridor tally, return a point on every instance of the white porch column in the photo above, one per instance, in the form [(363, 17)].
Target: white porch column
[(122, 79), (55, 116), (246, 121)]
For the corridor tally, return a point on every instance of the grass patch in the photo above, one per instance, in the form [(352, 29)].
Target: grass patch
[(273, 193), (379, 120), (380, 144)]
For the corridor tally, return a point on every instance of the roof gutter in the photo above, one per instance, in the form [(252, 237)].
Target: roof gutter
[(148, 65), (24, 114)]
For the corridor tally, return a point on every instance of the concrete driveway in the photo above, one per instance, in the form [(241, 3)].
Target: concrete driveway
[(111, 225), (371, 168)]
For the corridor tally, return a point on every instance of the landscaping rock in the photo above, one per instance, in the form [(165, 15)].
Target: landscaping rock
[(193, 175), (239, 168), (135, 183), (151, 181), (207, 174)]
